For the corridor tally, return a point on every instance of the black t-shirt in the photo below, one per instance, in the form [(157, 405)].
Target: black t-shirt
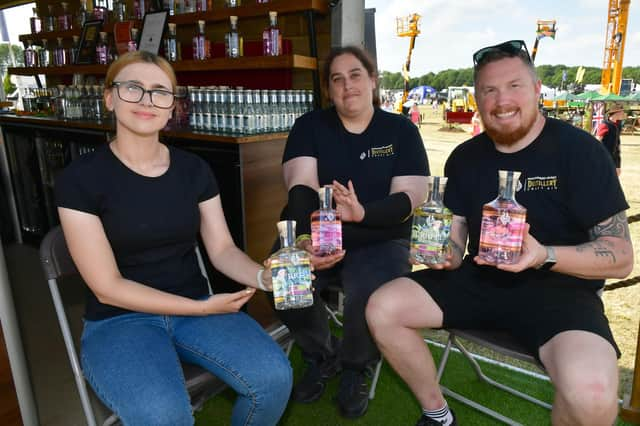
[(611, 141), (568, 184), (152, 223), (390, 146)]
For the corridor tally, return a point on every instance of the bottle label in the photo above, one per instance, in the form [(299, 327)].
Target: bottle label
[(291, 280), (430, 236), (501, 235), (326, 233)]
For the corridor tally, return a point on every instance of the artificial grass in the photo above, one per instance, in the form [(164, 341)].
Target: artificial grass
[(395, 405)]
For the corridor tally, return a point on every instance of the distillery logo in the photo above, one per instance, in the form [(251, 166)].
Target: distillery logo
[(542, 183), (378, 152)]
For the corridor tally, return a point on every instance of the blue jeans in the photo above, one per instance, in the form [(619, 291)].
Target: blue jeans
[(132, 361)]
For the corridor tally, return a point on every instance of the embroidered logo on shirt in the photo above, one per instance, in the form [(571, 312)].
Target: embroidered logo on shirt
[(363, 155), (381, 151), (539, 183)]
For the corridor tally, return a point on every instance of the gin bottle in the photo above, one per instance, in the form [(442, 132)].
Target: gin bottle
[(171, 45), (102, 49), (326, 226), (132, 44), (200, 43), (30, 55), (503, 223), (64, 19), (290, 271), (50, 20), (35, 22), (431, 225), (61, 54), (83, 14), (271, 37), (45, 54), (233, 41)]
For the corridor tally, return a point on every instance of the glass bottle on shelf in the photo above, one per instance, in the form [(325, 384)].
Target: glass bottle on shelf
[(224, 119), (262, 1), (200, 43), (207, 106), (189, 6), (50, 19), (249, 114), (64, 19), (271, 37), (326, 226), (132, 44), (102, 49), (233, 40), (140, 8), (60, 54), (201, 5), (503, 223), (30, 55), (45, 54), (35, 22), (119, 11), (290, 271), (431, 226), (171, 45), (75, 48), (83, 14), (232, 3), (100, 11), (170, 6)]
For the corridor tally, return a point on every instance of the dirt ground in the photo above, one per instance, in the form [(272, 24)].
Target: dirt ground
[(623, 304)]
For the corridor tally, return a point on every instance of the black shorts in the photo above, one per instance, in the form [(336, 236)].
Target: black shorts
[(533, 305)]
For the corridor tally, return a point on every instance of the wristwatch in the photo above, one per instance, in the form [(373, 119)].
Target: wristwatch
[(549, 261)]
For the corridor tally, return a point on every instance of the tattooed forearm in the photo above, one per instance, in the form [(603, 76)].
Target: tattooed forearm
[(599, 249), (458, 239), (456, 248), (615, 226)]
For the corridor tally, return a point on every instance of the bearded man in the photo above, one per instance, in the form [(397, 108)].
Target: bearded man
[(576, 235)]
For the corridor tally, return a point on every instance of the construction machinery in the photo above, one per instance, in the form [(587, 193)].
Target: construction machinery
[(460, 105), (407, 26), (546, 28), (618, 15)]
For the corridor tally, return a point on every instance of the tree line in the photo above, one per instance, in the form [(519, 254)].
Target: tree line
[(551, 76)]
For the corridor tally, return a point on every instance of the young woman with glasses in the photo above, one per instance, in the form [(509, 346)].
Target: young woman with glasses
[(131, 213)]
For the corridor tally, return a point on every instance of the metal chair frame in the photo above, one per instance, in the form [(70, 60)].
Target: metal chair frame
[(500, 342)]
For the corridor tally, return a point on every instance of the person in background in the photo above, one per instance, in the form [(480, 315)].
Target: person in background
[(476, 124), (131, 213), (414, 114), (608, 132), (575, 237), (377, 164)]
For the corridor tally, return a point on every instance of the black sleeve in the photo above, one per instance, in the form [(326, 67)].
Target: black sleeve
[(594, 192), (412, 157), (75, 190), (300, 142), (354, 236), (391, 210), (206, 181), (301, 202)]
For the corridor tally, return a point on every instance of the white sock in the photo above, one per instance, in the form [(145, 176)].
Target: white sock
[(441, 415)]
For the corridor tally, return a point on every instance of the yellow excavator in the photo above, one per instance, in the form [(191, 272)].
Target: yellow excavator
[(407, 26), (618, 15)]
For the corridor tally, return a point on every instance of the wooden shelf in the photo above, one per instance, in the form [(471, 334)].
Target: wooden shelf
[(216, 64), (283, 7)]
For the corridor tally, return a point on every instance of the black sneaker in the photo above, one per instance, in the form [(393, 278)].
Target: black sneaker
[(428, 421), (312, 385), (353, 393)]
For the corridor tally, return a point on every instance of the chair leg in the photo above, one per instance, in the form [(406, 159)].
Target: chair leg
[(374, 379)]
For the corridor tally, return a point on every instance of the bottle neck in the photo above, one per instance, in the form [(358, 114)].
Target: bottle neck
[(508, 187), (287, 235)]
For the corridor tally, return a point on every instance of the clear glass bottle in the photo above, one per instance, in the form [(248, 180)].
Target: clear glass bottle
[(132, 44), (249, 114), (201, 5), (224, 117), (102, 49), (171, 45), (35, 22), (326, 226), (45, 56), (60, 54), (83, 14), (64, 19), (232, 3), (235, 108), (262, 1), (189, 6), (503, 223), (200, 43), (75, 48), (271, 37), (290, 271), (170, 6), (50, 19), (140, 8), (100, 11), (233, 40), (431, 226), (207, 107), (119, 11)]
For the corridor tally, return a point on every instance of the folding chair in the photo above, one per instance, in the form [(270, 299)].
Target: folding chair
[(500, 342), (57, 264)]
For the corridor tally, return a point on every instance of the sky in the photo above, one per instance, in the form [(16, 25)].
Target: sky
[(451, 30)]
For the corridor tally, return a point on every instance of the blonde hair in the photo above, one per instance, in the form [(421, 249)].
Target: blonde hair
[(138, 57)]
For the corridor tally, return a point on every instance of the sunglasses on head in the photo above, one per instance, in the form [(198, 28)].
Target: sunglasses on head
[(511, 48)]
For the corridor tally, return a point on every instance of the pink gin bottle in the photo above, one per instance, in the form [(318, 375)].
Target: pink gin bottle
[(326, 226), (503, 223)]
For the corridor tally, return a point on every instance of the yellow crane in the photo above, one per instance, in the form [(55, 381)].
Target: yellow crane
[(407, 26), (546, 28), (618, 15)]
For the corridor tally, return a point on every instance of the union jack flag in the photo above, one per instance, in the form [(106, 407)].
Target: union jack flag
[(597, 117)]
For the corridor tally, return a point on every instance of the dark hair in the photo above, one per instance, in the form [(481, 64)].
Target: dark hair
[(362, 56), (496, 55)]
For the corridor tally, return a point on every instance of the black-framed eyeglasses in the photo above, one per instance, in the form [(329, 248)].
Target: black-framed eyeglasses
[(511, 48), (133, 93)]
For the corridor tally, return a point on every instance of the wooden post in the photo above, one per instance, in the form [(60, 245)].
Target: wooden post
[(630, 411)]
